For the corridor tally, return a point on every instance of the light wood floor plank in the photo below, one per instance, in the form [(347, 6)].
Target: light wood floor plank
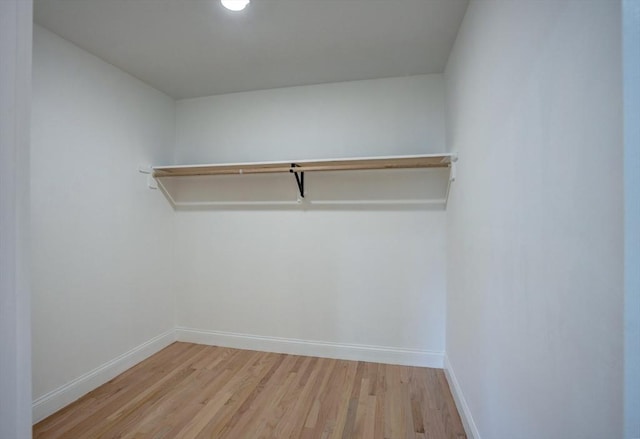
[(190, 391)]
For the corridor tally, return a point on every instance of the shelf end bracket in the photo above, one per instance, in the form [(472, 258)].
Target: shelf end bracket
[(452, 177), (453, 168), (151, 181)]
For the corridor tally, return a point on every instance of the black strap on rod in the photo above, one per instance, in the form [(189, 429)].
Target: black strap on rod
[(299, 178)]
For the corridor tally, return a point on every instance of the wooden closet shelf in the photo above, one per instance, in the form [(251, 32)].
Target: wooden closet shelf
[(368, 163)]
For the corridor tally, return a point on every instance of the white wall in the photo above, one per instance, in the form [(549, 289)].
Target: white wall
[(535, 279), (346, 119), (15, 95), (102, 242), (368, 276), (631, 55)]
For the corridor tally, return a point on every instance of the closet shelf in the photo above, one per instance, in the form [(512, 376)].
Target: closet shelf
[(366, 163), (299, 167)]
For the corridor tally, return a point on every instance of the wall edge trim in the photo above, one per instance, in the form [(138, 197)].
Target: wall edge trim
[(469, 424), (324, 349), (64, 395)]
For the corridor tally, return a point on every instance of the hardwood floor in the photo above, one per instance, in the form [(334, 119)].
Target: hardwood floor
[(197, 391)]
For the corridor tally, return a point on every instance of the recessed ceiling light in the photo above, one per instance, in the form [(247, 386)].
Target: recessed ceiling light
[(235, 5)]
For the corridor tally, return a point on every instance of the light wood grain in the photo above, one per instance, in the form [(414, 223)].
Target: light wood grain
[(398, 162), (195, 391)]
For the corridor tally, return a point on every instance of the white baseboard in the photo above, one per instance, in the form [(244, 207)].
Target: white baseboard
[(58, 398), (377, 354), (62, 396), (461, 403)]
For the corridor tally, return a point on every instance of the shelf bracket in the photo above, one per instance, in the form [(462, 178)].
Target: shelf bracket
[(452, 171), (299, 178), (148, 169), (452, 177)]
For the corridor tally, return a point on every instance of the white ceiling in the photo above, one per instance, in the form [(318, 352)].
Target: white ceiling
[(192, 48)]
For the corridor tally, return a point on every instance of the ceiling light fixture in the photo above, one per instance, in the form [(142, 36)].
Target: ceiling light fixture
[(234, 5)]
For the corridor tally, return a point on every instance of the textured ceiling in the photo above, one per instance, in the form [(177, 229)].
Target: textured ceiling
[(192, 48)]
